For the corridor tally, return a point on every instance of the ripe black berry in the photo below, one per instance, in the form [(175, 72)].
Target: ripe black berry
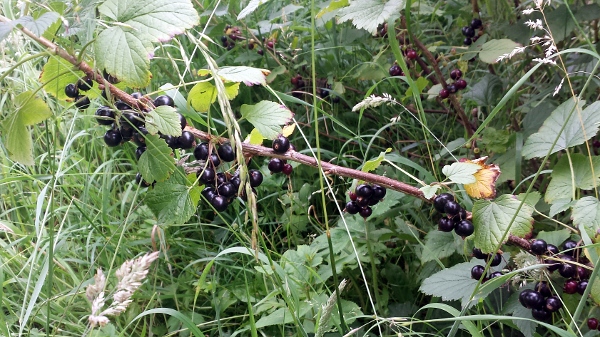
[(533, 299), (378, 192), (480, 255), (539, 247), (287, 169), (366, 212), (476, 23), (221, 178), (452, 88), (214, 159), (138, 136), (540, 314), (543, 288), (468, 31), (164, 100), (440, 201), (139, 151), (445, 224), (85, 84), (496, 260), (71, 90), (495, 274), (444, 93), (395, 70), (460, 84), (567, 270), (112, 137), (201, 151), (552, 249), (362, 201), (139, 179), (132, 119), (553, 303), (467, 41), (455, 74), (411, 54), (581, 286), (477, 272), (281, 144), (219, 202), (82, 102), (207, 175), (276, 165), (255, 178), (364, 190), (182, 121), (352, 207), (209, 193), (226, 153), (227, 190), (462, 215), (570, 286), (569, 247), (592, 323), (126, 133), (105, 116), (186, 140), (452, 208), (236, 181), (464, 228), (583, 273), (170, 140), (523, 297)]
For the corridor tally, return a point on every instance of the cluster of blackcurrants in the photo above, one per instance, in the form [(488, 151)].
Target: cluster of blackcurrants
[(221, 188), (276, 165), (456, 216), (395, 69), (458, 84), (540, 300), (477, 272), (73, 90), (301, 86), (363, 197), (469, 31)]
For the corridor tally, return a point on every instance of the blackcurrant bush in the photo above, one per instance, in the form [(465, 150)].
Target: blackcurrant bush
[(139, 151), (378, 192), (71, 90), (226, 152), (395, 70), (496, 260), (207, 175), (567, 270), (452, 88), (363, 190), (85, 84), (468, 31), (480, 255), (477, 272), (214, 159), (439, 203), (287, 169), (255, 178), (201, 151), (445, 224), (570, 286), (105, 116), (276, 165), (553, 303), (444, 93), (112, 137), (476, 23), (227, 190), (541, 314), (464, 228), (460, 84), (352, 207), (539, 247), (186, 140), (164, 100), (182, 121), (455, 74), (219, 202), (281, 144), (581, 286), (592, 323), (366, 212), (452, 208)]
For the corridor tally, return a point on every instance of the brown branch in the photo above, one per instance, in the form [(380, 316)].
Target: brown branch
[(517, 241), (249, 149)]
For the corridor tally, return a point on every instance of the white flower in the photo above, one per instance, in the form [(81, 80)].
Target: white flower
[(375, 101)]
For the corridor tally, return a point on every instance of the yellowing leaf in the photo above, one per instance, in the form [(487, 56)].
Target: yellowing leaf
[(288, 130), (255, 137), (485, 180), (204, 94)]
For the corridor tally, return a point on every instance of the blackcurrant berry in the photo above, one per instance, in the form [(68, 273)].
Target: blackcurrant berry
[(476, 23), (136, 95), (132, 119), (139, 151), (352, 207), (164, 100), (480, 255), (352, 196), (523, 297), (82, 102), (287, 169), (363, 190), (236, 181), (186, 140), (496, 260), (221, 178), (362, 201), (214, 159), (227, 190), (201, 151), (567, 270), (581, 286), (445, 224), (366, 212), (219, 202), (112, 138), (570, 286), (552, 249), (468, 31), (570, 247), (126, 133), (182, 121), (592, 323), (452, 88), (462, 215), (207, 175), (495, 274), (395, 70), (477, 272), (439, 203), (452, 208), (455, 74), (275, 165), (226, 152), (209, 192), (539, 247), (583, 273), (467, 41), (105, 116), (543, 288), (85, 84), (281, 144), (255, 178), (71, 90), (460, 84), (378, 192), (464, 228), (534, 300), (553, 303), (411, 54), (444, 93), (120, 105), (170, 140), (540, 314), (373, 201), (139, 179)]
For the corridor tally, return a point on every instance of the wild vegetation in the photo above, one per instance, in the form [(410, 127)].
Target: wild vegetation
[(302, 168)]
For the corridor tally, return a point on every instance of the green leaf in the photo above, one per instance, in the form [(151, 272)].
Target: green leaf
[(56, 74), (595, 292), (439, 245), (369, 14), (539, 143), (251, 7), (333, 5), (492, 219), (175, 200), (373, 164), (497, 141), (531, 199), (461, 173), (561, 185), (451, 283), (554, 237), (156, 163), (267, 117), (249, 75), (38, 26), (5, 29), (421, 83), (429, 190), (29, 110), (586, 212), (491, 50), (125, 48), (487, 91), (163, 119)]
